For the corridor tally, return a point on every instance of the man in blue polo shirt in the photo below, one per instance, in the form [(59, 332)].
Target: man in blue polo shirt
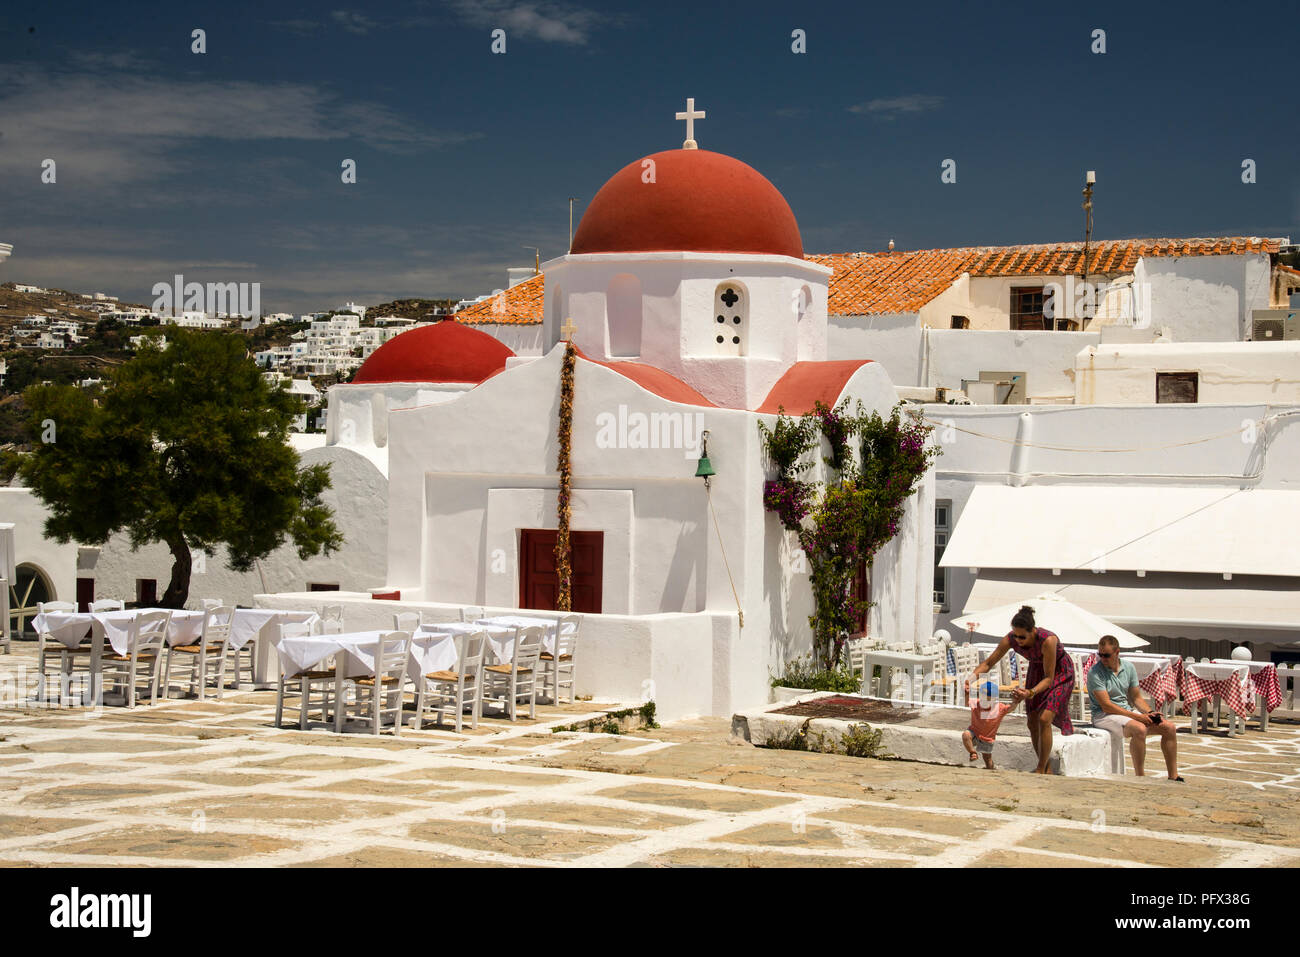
[(1114, 691)]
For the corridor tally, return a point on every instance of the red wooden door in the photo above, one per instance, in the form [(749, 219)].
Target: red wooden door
[(539, 585)]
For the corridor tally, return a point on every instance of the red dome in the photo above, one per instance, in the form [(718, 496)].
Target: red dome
[(446, 351), (699, 202)]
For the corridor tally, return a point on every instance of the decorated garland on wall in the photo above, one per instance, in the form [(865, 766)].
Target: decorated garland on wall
[(860, 507), (563, 553)]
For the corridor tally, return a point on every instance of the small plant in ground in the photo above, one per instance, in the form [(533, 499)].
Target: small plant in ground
[(648, 715), (861, 741), (789, 739)]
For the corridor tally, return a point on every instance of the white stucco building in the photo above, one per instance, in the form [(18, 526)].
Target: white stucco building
[(685, 320), (1173, 520)]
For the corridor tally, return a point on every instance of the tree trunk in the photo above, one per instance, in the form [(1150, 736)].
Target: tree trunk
[(178, 589)]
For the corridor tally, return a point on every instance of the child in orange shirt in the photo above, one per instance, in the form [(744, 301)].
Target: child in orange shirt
[(985, 717)]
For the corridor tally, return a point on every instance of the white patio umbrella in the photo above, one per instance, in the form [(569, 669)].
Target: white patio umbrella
[(1076, 626)]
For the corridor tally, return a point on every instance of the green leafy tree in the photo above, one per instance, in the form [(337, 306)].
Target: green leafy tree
[(185, 446)]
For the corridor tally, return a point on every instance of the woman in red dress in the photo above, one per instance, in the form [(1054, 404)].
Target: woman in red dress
[(1048, 685)]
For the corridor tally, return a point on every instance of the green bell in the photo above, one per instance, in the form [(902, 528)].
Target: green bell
[(705, 468)]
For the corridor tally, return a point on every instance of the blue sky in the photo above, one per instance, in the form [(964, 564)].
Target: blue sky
[(225, 166)]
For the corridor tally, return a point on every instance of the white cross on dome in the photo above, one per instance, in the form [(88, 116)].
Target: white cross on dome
[(690, 116)]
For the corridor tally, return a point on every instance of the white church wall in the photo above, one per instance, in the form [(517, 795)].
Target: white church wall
[(57, 563), (679, 319), (461, 487), (1235, 372), (441, 495)]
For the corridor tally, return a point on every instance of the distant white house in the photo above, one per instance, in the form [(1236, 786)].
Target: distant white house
[(19, 287), (194, 320), (1206, 372)]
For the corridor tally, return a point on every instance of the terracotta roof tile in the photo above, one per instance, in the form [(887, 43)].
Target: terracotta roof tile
[(899, 282), (521, 304)]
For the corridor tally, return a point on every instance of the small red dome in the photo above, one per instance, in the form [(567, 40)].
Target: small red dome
[(699, 202), (446, 351)]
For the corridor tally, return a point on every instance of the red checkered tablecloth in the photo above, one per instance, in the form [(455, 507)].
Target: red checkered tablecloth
[(1266, 684), (1161, 684), (1238, 694)]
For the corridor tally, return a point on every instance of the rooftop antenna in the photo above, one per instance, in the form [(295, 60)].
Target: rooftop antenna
[(537, 259), (1088, 182), (572, 200)]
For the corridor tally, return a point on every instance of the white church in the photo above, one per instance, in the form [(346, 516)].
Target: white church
[(694, 312)]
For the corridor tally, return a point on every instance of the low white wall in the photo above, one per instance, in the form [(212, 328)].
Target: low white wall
[(1228, 372), (899, 344), (624, 659)]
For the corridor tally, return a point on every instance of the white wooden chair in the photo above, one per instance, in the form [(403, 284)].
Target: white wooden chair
[(146, 638), (48, 647), (471, 613), (108, 604), (332, 613), (1117, 742), (313, 688), (1288, 677), (451, 692), (209, 603), (242, 662), (331, 626), (407, 621), (518, 679), (6, 638), (559, 669), (382, 693), (204, 660), (856, 649), (1080, 705)]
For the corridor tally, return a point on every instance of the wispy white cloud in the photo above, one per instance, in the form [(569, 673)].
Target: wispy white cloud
[(155, 120), (352, 21), (302, 27), (890, 107), (545, 20)]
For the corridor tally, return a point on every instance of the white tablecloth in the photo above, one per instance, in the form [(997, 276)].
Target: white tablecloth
[(248, 622), (501, 633), (429, 652), (71, 627), (1217, 672)]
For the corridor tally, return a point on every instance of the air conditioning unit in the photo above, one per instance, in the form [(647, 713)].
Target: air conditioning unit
[(1275, 325), (1266, 330)]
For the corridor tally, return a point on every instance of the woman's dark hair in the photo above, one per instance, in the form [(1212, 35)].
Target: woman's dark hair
[(1024, 618)]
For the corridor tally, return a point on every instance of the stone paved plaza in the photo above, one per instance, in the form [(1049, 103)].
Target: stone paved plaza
[(215, 783)]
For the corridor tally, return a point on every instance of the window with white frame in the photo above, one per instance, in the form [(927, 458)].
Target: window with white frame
[(942, 518)]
